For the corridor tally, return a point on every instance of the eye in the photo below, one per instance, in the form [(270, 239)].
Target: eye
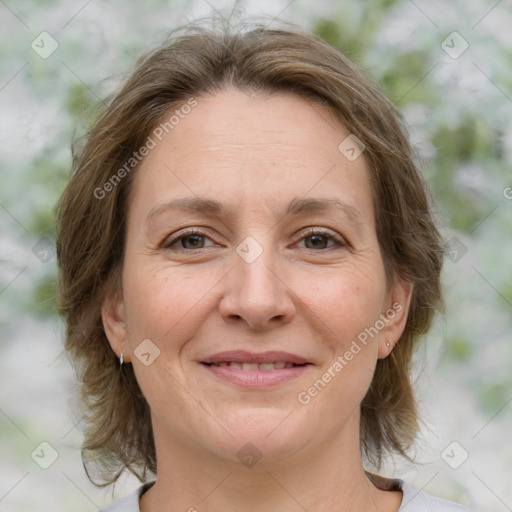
[(194, 239), (318, 239), (187, 240)]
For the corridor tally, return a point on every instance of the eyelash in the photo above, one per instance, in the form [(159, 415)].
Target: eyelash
[(170, 241)]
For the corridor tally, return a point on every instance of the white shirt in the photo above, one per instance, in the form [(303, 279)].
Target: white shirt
[(412, 501)]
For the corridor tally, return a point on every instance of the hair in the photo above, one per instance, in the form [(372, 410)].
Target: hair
[(193, 62)]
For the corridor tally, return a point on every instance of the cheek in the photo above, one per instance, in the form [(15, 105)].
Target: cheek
[(161, 302), (347, 300)]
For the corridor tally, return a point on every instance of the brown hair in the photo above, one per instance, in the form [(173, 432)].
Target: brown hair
[(92, 214)]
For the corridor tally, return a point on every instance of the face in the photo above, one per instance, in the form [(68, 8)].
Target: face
[(250, 241)]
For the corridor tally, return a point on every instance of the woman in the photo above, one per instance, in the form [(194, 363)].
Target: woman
[(247, 259)]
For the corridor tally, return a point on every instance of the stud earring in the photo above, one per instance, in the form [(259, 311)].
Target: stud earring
[(388, 344)]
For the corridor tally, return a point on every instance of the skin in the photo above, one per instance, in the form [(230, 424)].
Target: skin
[(311, 296)]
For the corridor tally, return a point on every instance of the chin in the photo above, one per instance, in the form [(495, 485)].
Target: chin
[(265, 435)]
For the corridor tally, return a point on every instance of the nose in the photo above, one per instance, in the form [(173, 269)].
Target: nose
[(256, 294)]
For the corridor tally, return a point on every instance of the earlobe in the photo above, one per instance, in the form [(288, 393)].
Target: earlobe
[(395, 317), (113, 318)]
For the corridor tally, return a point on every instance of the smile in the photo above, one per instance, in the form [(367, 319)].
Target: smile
[(252, 376), (252, 367)]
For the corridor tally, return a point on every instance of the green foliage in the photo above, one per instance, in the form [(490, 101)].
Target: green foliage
[(77, 100), (459, 349), (352, 32), (43, 301), (492, 397), (406, 86)]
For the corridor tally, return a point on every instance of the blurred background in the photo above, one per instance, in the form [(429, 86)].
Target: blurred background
[(448, 68)]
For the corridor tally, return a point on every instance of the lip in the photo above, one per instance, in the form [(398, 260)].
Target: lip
[(243, 356), (256, 378)]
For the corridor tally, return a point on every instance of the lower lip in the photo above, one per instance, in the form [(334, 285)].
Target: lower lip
[(256, 378)]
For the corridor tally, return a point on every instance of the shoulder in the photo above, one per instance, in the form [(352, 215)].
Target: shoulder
[(415, 501), (129, 503), (412, 501), (418, 501)]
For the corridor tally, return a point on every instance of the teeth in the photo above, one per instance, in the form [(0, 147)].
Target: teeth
[(251, 367)]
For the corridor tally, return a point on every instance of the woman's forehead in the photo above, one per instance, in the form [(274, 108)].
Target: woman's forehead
[(235, 116), (237, 145)]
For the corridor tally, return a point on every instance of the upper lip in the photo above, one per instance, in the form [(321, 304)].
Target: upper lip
[(242, 356)]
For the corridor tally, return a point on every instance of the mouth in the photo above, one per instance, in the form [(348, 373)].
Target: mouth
[(256, 370), (244, 357), (252, 367)]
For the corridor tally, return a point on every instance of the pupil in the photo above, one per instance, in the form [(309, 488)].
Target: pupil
[(317, 240), (193, 241)]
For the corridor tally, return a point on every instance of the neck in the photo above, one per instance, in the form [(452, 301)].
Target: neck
[(325, 476)]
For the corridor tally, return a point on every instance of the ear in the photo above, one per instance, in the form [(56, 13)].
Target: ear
[(113, 318), (395, 316)]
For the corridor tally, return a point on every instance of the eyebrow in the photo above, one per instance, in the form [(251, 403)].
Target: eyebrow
[(296, 207), (317, 205)]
